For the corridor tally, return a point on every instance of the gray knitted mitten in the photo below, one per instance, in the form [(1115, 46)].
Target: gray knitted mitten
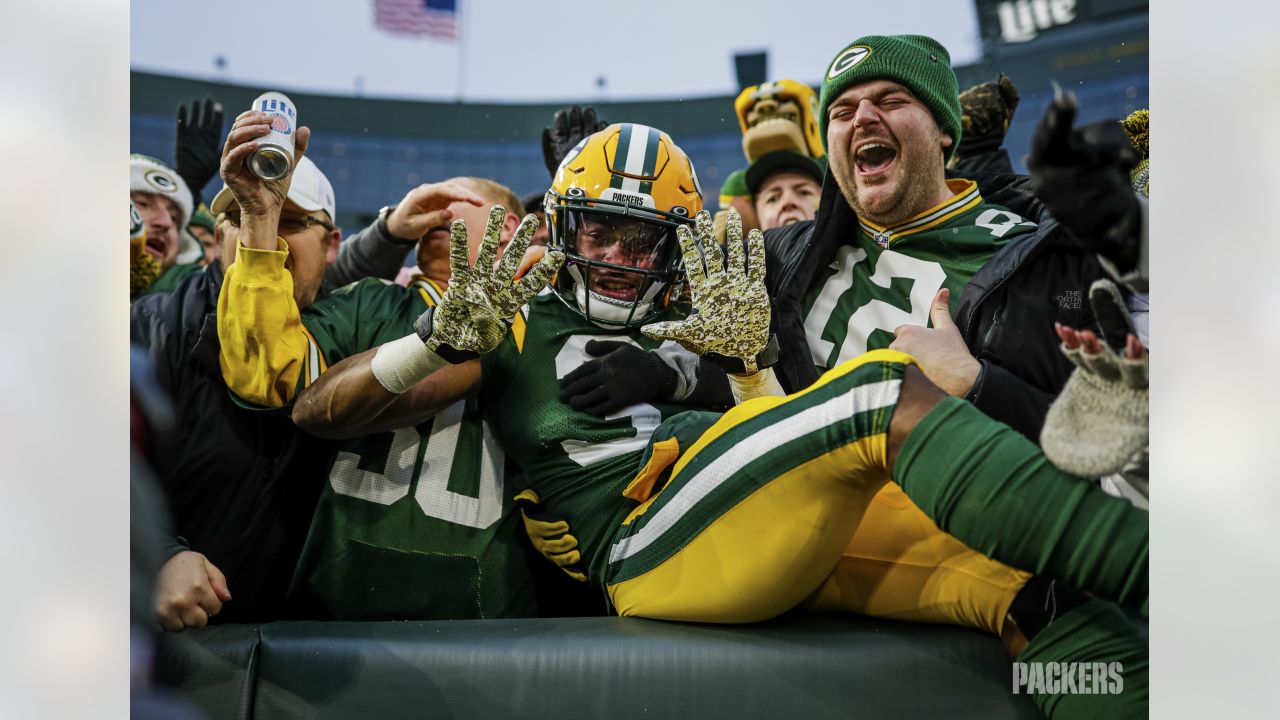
[(1100, 420)]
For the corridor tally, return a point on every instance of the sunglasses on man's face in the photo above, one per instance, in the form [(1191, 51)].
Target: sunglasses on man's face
[(290, 224)]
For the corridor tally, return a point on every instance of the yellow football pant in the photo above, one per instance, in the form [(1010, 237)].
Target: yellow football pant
[(900, 565), (829, 533)]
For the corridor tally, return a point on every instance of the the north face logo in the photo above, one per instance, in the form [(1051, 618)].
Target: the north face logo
[(1070, 299)]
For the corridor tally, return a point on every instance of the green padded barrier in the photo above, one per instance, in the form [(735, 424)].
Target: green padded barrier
[(214, 667), (812, 667)]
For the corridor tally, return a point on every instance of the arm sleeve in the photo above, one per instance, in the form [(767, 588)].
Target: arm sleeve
[(699, 383), (171, 545), (263, 345), (1003, 396), (372, 252)]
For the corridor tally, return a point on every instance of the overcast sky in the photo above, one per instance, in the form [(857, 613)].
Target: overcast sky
[(525, 50)]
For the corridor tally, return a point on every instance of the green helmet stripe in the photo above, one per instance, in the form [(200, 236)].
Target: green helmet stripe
[(650, 154), (620, 156), (650, 161)]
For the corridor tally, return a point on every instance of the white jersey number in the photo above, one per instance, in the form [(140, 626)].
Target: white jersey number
[(928, 278), (432, 494), (644, 418)]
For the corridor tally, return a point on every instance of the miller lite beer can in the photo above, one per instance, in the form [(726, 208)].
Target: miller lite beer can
[(274, 156)]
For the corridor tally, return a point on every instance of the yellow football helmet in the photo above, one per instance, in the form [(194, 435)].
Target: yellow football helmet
[(780, 115), (613, 209)]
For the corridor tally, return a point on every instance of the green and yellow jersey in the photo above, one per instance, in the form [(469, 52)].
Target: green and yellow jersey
[(418, 523), (888, 276), (579, 464)]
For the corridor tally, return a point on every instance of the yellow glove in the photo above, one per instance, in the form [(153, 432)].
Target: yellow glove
[(550, 535)]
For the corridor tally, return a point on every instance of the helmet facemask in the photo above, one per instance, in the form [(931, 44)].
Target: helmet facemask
[(620, 266), (613, 209)]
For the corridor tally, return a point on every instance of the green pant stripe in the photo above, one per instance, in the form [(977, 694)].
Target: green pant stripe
[(748, 456), (755, 475), (865, 423)]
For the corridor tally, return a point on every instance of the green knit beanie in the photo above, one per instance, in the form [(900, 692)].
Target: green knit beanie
[(917, 62), (203, 218), (735, 185)]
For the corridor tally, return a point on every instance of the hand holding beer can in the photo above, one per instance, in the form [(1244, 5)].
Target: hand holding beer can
[(274, 156)]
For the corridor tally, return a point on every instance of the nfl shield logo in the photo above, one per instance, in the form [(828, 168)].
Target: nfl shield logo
[(882, 239)]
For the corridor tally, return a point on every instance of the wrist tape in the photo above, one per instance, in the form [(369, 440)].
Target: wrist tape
[(757, 384), (400, 364)]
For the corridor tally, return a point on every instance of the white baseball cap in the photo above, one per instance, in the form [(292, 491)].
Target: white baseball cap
[(309, 190)]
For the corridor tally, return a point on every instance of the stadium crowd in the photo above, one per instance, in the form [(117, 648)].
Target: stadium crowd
[(890, 376)]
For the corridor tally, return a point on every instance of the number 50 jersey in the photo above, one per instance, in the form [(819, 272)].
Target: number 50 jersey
[(418, 523)]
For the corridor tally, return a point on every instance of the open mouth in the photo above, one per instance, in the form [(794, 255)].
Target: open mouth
[(156, 248), (874, 158), (617, 287)]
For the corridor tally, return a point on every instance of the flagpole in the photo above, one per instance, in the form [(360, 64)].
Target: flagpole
[(461, 25)]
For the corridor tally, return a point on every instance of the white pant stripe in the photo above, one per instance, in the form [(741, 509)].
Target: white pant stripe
[(840, 408)]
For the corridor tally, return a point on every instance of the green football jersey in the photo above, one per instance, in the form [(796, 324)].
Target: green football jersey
[(887, 277), (418, 523), (578, 463)]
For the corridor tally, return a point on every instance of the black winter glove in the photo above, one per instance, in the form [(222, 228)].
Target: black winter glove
[(624, 375), (1082, 176), (198, 150), (568, 126)]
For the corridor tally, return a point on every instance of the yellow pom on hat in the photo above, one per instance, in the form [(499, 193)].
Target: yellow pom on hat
[(1138, 127)]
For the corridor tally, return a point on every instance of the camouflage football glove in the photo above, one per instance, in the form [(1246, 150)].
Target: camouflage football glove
[(985, 112), (550, 535), (476, 310), (1101, 419), (731, 322)]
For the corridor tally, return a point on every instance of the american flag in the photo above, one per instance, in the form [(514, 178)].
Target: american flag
[(437, 18)]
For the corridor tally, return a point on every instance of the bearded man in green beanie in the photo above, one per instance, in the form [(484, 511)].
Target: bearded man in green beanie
[(898, 247), (891, 116), (899, 242)]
